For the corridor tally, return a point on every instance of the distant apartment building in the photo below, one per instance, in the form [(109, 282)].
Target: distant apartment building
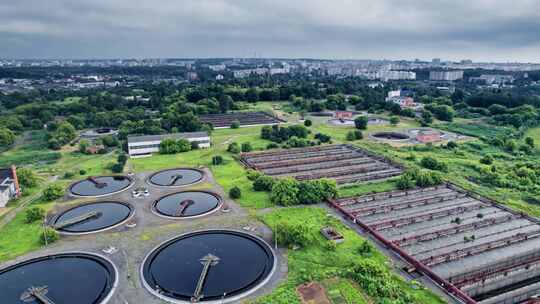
[(276, 71), (145, 145), (395, 75), (248, 72), (493, 79), (192, 76), (217, 67), (445, 75), (9, 185)]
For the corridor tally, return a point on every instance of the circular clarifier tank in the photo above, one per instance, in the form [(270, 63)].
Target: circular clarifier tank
[(214, 266), (396, 136), (100, 186), (176, 177), (62, 278), (92, 217), (187, 204)]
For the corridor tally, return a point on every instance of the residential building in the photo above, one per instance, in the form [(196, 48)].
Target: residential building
[(145, 145), (445, 75), (9, 185)]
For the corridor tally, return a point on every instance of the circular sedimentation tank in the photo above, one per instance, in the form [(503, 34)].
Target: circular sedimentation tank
[(213, 266), (187, 204), (80, 278), (395, 136), (176, 177), (92, 217), (100, 186)]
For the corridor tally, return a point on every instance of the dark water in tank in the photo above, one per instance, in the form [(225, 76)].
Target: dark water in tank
[(81, 279), (176, 177), (203, 202), (112, 213), (88, 188), (175, 267)]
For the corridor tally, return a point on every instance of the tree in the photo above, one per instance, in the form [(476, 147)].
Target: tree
[(235, 192), (361, 122), (394, 120), (117, 168), (487, 160), (285, 192), (316, 191), (291, 234), (451, 145), (27, 177), (53, 192), (529, 141), (233, 148), (48, 236), (34, 214), (217, 160), (168, 146), (426, 118), (323, 137), (263, 183), (183, 145), (246, 147), (7, 137), (307, 123), (433, 164), (235, 124), (83, 146)]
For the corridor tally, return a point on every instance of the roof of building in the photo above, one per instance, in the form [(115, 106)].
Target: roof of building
[(5, 173), (187, 135)]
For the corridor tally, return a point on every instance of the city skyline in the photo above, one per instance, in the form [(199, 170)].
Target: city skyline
[(482, 31)]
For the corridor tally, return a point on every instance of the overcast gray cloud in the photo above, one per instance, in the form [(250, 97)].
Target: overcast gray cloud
[(498, 30)]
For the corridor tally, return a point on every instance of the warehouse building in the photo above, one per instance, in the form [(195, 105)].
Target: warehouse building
[(140, 146)]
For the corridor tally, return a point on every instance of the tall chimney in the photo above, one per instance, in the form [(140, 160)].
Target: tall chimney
[(15, 180)]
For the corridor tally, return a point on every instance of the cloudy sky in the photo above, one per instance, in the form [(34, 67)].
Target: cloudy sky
[(482, 30)]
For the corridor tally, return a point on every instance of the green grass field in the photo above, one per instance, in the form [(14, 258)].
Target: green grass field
[(318, 263)]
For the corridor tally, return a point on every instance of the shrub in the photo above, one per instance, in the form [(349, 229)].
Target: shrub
[(82, 172), (235, 124), (53, 192), (323, 137), (365, 248), (289, 234), (246, 147), (433, 164), (295, 142), (487, 160), (48, 236), (316, 191), (361, 122), (69, 174), (394, 120), (117, 168), (83, 146), (285, 192), (307, 123), (263, 183), (122, 158), (217, 160), (233, 148), (451, 145), (529, 141), (253, 174), (235, 193), (406, 181), (354, 135), (34, 214), (272, 146), (27, 177)]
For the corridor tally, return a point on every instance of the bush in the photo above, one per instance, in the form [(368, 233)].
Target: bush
[(405, 181), (34, 214), (487, 160), (394, 120), (83, 146), (48, 236), (285, 192), (52, 192), (235, 193), (235, 124), (117, 168), (217, 160), (323, 137), (365, 248), (27, 177), (289, 234), (233, 148), (361, 122), (420, 178), (272, 146), (316, 191), (171, 146), (69, 174), (451, 145), (433, 164), (122, 158), (354, 135), (82, 172), (307, 123), (263, 183), (253, 174), (246, 147)]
